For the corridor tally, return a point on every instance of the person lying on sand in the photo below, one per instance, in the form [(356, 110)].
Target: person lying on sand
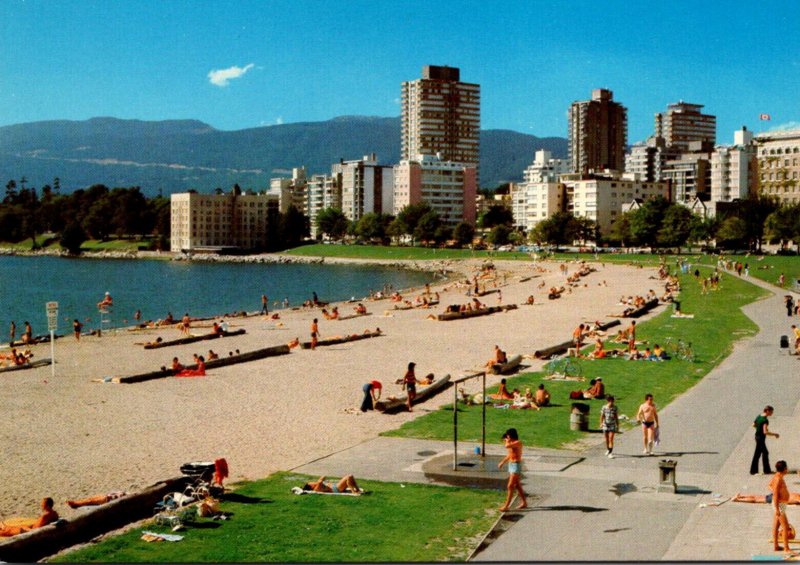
[(345, 484), (96, 500), (794, 498), (48, 516), (294, 343), (212, 355)]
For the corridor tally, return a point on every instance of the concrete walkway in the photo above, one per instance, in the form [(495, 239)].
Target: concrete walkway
[(587, 507)]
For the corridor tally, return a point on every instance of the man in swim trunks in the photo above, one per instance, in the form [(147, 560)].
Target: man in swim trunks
[(410, 385), (514, 459), (780, 498), (648, 416), (48, 516), (345, 484)]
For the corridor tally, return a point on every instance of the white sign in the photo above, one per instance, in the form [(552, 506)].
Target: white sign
[(52, 316)]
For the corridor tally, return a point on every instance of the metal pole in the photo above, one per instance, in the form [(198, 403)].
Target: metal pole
[(483, 423), (52, 354), (455, 428)]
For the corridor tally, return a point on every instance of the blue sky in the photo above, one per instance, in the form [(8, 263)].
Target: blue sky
[(304, 60)]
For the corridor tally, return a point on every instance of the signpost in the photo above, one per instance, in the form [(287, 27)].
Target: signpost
[(52, 324)]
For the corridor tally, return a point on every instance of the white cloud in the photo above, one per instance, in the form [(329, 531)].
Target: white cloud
[(786, 126), (221, 77), (279, 120)]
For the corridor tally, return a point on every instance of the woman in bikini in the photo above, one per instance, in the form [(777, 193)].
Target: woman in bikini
[(345, 484), (514, 459)]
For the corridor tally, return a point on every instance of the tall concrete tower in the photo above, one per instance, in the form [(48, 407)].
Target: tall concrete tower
[(598, 132), (441, 116)]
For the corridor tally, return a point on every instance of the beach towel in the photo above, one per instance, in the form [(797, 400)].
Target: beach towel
[(153, 536)]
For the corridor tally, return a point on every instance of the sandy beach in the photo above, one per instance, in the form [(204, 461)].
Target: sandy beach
[(69, 437)]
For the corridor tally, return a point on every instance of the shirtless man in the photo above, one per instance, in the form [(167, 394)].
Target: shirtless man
[(542, 396), (632, 336), (780, 498), (48, 516), (499, 357), (314, 333), (648, 416)]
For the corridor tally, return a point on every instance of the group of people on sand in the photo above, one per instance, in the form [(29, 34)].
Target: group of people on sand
[(27, 334), (15, 357), (200, 366)]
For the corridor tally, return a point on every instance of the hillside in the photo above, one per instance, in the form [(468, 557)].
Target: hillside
[(174, 155)]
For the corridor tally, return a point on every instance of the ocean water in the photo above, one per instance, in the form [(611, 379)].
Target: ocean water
[(157, 287)]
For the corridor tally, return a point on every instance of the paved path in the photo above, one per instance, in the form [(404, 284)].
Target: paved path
[(601, 509)]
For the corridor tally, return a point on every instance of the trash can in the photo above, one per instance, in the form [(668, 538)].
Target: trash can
[(579, 417), (666, 476), (784, 342)]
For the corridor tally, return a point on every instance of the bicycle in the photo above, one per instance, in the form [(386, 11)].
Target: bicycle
[(566, 367), (679, 349)]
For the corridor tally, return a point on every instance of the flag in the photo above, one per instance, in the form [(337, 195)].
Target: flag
[(764, 117)]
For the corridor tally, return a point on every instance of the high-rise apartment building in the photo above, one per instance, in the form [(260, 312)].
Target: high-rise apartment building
[(540, 195), (733, 168), (366, 186), (598, 132), (683, 123), (441, 116), (448, 187), (779, 165), (648, 159), (690, 172)]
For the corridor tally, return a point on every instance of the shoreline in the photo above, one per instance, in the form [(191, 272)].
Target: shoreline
[(68, 437)]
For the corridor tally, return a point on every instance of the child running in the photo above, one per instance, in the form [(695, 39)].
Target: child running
[(514, 459)]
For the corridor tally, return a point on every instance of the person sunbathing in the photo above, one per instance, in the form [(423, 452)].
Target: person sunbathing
[(499, 357), (502, 392), (212, 355), (294, 343), (598, 352), (596, 390), (794, 498), (48, 516), (345, 484), (542, 396), (96, 500)]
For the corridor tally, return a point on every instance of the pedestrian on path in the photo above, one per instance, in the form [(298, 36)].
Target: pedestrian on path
[(648, 416), (514, 459), (780, 497), (761, 424), (264, 304), (609, 423)]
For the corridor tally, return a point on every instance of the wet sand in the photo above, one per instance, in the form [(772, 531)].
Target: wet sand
[(69, 437)]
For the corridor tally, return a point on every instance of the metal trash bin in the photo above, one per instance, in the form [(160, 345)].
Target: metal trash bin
[(784, 342), (666, 476), (579, 417)]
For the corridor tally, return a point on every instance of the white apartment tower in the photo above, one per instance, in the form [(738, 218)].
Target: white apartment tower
[(441, 116), (733, 168), (366, 186), (683, 123), (540, 195)]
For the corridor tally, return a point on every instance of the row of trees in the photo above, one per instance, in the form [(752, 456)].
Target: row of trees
[(96, 212), (420, 223), (658, 223)]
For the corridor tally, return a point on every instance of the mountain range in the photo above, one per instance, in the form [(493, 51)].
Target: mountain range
[(176, 155)]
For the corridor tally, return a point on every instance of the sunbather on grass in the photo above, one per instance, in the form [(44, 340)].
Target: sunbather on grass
[(345, 484)]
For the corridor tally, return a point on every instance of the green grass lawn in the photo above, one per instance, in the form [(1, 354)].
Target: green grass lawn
[(397, 252), (393, 522), (89, 245), (717, 325)]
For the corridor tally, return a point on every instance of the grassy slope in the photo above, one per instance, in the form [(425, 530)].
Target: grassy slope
[(717, 324), (385, 252), (268, 523)]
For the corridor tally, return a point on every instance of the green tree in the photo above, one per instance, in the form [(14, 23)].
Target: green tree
[(496, 216), (396, 229), (372, 226), (703, 229), (293, 227), (426, 226), (410, 215), (332, 222), (676, 227), (783, 225), (463, 233), (559, 229), (499, 235), (645, 222), (443, 234), (72, 238), (621, 230), (732, 233)]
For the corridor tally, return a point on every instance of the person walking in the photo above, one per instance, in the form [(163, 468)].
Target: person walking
[(514, 458), (264, 304), (609, 423), (761, 424), (648, 416), (780, 498)]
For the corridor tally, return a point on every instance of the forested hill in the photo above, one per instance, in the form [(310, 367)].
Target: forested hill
[(175, 155)]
